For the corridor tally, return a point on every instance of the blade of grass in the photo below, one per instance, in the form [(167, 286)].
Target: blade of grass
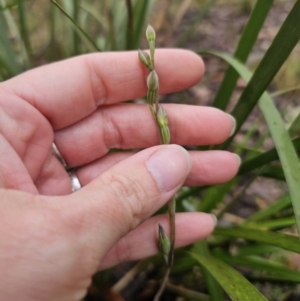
[(281, 138), (272, 279), (281, 47), (273, 172), (261, 264), (255, 249), (264, 158), (286, 152), (4, 6), (278, 224), (93, 44), (249, 36), (214, 195), (213, 287), (129, 31), (284, 241), (287, 90), (294, 129), (76, 38), (271, 210), (24, 28), (14, 32), (9, 57), (140, 11), (236, 286)]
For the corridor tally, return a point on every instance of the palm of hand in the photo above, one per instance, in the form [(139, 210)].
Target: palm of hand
[(51, 246)]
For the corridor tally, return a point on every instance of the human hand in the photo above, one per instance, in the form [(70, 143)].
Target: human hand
[(51, 241)]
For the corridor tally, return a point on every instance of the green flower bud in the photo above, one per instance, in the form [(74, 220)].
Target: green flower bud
[(165, 134), (162, 119), (152, 81), (150, 33), (162, 116), (151, 97), (145, 59), (164, 243), (152, 110)]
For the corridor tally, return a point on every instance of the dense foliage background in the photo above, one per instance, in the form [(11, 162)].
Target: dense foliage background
[(251, 52)]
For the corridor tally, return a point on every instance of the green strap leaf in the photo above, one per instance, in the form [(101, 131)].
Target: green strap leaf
[(214, 289), (237, 287), (281, 47), (11, 63), (76, 26), (295, 127), (213, 195), (278, 223), (256, 20), (23, 27), (264, 158), (285, 241), (281, 204), (281, 138), (283, 91), (261, 264), (140, 11)]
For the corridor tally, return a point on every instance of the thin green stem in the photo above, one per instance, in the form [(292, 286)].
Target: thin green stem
[(160, 116), (76, 25), (76, 39), (163, 284), (129, 33), (171, 210), (24, 28), (187, 293)]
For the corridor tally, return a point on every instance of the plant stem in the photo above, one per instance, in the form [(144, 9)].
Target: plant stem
[(24, 28), (76, 39), (163, 284), (160, 116), (129, 34), (171, 211), (76, 25)]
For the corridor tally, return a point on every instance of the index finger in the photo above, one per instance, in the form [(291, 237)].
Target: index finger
[(68, 91)]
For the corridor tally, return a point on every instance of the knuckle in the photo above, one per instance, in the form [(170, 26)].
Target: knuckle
[(122, 251), (112, 133), (130, 194)]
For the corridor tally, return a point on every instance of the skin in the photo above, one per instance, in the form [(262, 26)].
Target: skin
[(52, 241)]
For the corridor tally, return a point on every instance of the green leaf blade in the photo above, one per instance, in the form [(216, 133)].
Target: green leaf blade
[(284, 241), (262, 264), (284, 146), (242, 52), (236, 286)]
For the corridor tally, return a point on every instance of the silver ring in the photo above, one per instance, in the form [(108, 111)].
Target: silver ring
[(58, 155), (75, 183), (74, 180)]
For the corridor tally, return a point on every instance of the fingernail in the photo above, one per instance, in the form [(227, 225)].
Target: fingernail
[(233, 125), (239, 159), (214, 218), (169, 166)]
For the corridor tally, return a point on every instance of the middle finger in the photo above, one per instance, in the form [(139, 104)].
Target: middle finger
[(131, 126)]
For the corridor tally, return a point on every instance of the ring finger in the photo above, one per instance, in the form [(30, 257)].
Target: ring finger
[(131, 126), (208, 167)]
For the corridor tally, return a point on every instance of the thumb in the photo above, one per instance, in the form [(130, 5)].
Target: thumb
[(127, 194)]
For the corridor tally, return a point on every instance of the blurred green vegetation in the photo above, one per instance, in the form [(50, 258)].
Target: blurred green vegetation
[(256, 244)]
